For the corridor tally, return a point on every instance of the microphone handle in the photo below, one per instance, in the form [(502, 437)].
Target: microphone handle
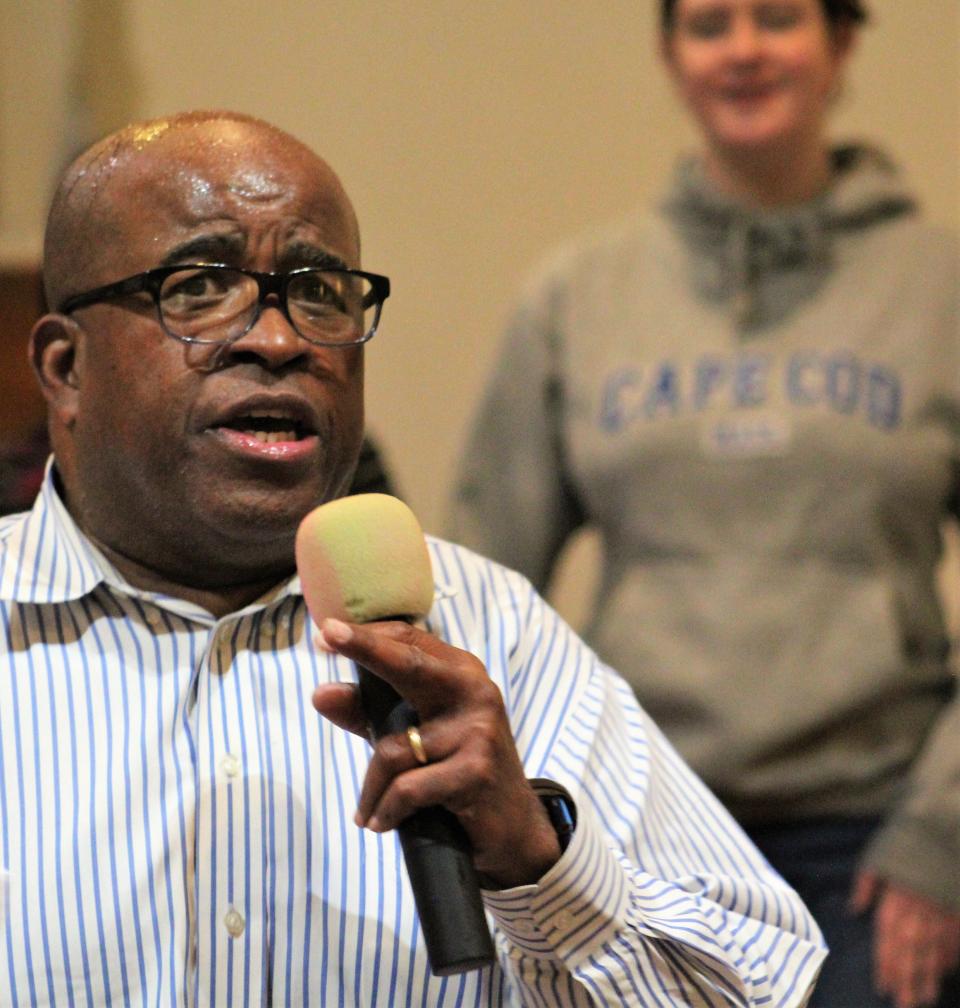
[(437, 855)]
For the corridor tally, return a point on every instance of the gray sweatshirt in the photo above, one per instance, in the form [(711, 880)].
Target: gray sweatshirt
[(760, 412)]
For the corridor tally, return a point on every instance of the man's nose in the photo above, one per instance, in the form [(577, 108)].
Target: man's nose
[(271, 340)]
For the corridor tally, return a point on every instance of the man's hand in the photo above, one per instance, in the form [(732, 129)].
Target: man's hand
[(474, 769), (916, 942)]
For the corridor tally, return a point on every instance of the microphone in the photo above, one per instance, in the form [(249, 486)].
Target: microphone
[(364, 558)]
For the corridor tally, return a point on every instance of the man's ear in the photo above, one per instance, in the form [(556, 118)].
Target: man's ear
[(55, 352)]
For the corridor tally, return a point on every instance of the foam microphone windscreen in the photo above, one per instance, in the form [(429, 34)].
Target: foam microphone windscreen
[(364, 558)]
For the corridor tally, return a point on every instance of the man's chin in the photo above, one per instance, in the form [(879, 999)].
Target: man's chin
[(266, 516), (262, 518)]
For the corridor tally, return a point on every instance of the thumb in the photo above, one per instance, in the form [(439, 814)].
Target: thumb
[(340, 703)]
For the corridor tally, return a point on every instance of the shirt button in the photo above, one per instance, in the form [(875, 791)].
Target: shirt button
[(563, 921), (230, 765), (234, 922)]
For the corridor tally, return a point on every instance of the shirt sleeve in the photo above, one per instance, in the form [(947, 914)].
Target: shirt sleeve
[(659, 899), (514, 499), (919, 845)]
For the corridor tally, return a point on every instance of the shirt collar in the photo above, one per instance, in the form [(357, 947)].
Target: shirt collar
[(46, 557)]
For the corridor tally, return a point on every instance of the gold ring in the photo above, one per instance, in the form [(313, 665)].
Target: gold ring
[(416, 744)]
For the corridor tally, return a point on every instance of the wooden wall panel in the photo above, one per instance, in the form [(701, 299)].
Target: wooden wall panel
[(21, 405)]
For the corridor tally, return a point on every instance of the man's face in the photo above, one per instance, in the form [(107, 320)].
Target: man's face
[(193, 463)]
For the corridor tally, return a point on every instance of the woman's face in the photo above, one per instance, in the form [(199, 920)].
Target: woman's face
[(757, 74)]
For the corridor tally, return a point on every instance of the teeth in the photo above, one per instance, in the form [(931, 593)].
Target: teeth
[(266, 426), (272, 437)]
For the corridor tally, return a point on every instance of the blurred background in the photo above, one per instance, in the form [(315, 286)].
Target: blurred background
[(472, 137)]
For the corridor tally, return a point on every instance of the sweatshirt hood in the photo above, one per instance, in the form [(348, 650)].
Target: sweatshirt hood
[(764, 264)]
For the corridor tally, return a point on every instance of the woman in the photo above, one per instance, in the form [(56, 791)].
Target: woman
[(754, 395)]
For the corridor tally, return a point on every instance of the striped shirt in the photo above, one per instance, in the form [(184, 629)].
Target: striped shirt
[(176, 823)]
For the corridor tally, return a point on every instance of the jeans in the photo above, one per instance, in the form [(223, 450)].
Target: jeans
[(819, 859)]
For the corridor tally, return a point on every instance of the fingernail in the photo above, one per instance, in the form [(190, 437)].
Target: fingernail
[(374, 824), (336, 632), (358, 819)]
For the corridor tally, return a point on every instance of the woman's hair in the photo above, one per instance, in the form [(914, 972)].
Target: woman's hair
[(838, 12)]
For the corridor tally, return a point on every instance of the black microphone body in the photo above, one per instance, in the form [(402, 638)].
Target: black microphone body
[(437, 854)]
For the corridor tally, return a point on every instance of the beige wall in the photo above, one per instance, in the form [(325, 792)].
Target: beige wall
[(472, 135)]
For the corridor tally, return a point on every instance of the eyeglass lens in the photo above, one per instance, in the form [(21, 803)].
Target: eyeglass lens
[(217, 305)]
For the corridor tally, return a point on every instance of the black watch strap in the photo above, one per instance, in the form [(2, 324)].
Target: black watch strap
[(562, 815)]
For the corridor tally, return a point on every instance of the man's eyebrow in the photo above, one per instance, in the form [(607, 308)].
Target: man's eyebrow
[(205, 248), (229, 249), (305, 254)]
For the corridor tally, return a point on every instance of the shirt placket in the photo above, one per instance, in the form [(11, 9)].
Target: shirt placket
[(230, 924)]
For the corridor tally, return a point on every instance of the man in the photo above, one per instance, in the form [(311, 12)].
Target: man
[(177, 826)]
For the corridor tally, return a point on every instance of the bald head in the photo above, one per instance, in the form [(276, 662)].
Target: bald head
[(97, 193)]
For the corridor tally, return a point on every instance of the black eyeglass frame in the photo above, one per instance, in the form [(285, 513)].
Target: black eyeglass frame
[(151, 282)]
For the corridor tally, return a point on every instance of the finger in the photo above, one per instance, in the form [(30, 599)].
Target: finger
[(340, 704), (476, 757), (937, 956), (927, 981), (886, 959), (908, 948), (951, 943), (902, 971), (865, 889), (427, 672), (913, 983), (390, 628), (460, 783), (393, 757), (409, 792), (320, 643)]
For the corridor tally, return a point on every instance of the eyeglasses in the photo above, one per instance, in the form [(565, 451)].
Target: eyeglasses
[(216, 304)]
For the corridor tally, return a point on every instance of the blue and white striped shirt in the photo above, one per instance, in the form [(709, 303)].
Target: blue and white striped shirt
[(176, 823)]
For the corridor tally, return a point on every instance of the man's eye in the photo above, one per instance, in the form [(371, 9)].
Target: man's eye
[(194, 293), (195, 285), (317, 292)]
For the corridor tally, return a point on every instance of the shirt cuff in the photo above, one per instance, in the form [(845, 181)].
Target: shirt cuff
[(579, 904), (919, 855)]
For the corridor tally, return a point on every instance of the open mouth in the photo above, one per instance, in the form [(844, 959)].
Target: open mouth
[(268, 428), (267, 424), (277, 427)]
